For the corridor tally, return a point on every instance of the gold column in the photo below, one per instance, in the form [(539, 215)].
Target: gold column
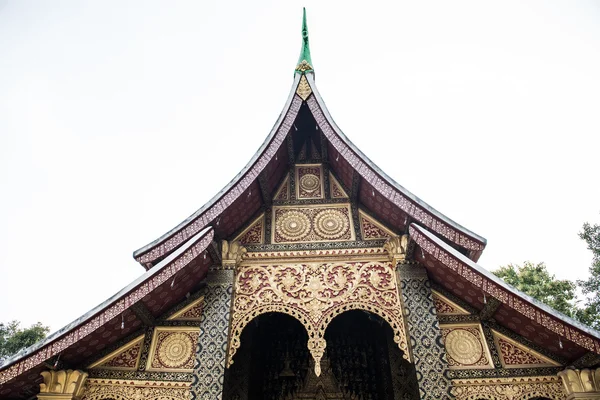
[(62, 385), (581, 384)]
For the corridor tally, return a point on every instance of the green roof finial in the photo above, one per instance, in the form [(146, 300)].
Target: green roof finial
[(304, 62)]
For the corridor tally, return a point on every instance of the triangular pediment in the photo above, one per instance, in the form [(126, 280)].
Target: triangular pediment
[(283, 192), (125, 358), (254, 233), (191, 312), (445, 306), (516, 355), (336, 190), (371, 229)]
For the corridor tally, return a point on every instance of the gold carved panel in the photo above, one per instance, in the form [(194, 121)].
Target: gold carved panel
[(517, 388), (314, 294), (100, 389), (125, 358), (515, 355), (466, 347), (173, 349), (445, 306), (309, 182), (315, 223)]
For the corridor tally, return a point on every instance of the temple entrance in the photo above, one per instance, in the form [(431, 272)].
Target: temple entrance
[(361, 361)]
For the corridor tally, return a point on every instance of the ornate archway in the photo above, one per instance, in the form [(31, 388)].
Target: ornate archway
[(314, 293)]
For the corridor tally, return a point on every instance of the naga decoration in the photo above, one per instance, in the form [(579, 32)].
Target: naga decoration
[(314, 294)]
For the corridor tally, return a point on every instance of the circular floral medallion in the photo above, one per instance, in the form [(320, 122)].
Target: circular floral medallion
[(175, 350), (464, 347), (331, 224), (292, 225), (309, 183)]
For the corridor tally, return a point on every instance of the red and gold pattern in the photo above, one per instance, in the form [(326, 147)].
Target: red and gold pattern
[(465, 346), (254, 233), (100, 389), (372, 230), (445, 306), (315, 293), (513, 388), (124, 358), (317, 223), (191, 312), (309, 182), (173, 349), (335, 188), (283, 193), (516, 355)]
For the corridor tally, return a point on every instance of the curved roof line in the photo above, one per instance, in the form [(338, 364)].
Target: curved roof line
[(494, 286), (386, 185), (215, 206), (107, 310)]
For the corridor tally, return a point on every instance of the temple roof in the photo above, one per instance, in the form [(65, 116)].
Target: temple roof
[(246, 194)]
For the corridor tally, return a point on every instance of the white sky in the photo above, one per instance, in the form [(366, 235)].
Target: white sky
[(119, 119)]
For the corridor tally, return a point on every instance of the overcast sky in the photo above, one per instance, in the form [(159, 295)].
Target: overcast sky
[(119, 119)]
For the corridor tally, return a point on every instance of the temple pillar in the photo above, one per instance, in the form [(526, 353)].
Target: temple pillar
[(62, 385), (426, 344), (211, 352), (581, 383)]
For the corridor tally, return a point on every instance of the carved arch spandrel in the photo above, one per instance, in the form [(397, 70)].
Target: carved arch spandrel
[(314, 294)]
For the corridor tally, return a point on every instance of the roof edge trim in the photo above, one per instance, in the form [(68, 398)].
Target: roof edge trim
[(385, 185), (107, 310), (224, 198), (494, 286)]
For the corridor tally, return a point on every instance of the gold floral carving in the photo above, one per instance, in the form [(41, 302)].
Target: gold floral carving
[(371, 229), (232, 254), (125, 357), (62, 385), (515, 355), (396, 247), (100, 389), (522, 388), (309, 181), (584, 383), (335, 188), (316, 223), (314, 294), (466, 346), (283, 193), (173, 349), (304, 89)]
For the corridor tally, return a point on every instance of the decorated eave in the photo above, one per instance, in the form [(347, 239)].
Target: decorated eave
[(494, 298), (120, 316), (251, 190)]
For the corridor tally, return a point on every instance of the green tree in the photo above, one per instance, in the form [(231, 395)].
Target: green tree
[(536, 281), (13, 338), (590, 313)]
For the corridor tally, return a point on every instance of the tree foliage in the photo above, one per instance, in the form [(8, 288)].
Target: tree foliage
[(13, 338), (590, 313), (536, 281)]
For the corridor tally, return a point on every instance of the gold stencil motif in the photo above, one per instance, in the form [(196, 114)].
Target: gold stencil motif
[(317, 223), (125, 357), (191, 312), (315, 293), (335, 188), (517, 388), (309, 182), (254, 233), (445, 306), (516, 355), (173, 349), (371, 229), (304, 89), (283, 192), (466, 346)]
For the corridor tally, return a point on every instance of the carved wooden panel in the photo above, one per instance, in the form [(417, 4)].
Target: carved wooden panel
[(309, 182), (173, 349), (516, 355), (254, 233), (466, 347), (125, 358), (191, 312), (445, 306), (315, 223), (315, 293)]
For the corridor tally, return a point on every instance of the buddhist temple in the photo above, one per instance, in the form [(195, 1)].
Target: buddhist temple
[(312, 275)]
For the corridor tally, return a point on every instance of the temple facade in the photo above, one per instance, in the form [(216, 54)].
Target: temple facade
[(312, 275)]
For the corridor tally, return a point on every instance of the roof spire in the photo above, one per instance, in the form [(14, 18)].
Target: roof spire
[(304, 62)]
